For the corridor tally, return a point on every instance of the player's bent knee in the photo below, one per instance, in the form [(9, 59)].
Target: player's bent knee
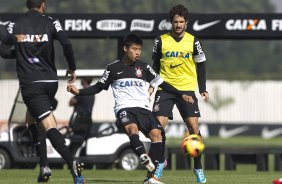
[(156, 135)]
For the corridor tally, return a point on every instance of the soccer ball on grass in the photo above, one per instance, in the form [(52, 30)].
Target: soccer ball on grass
[(192, 145)]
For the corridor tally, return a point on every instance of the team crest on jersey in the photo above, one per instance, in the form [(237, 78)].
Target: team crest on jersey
[(156, 108), (138, 72)]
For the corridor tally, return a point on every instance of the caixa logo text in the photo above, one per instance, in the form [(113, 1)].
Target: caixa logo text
[(111, 25), (246, 24), (142, 25), (78, 25)]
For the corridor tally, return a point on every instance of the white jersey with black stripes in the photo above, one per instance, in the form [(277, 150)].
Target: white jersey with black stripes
[(130, 84)]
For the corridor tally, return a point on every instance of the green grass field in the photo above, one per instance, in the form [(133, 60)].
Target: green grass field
[(244, 175)]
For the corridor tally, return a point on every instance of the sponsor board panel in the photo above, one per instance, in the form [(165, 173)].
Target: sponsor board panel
[(177, 130), (241, 109), (216, 26)]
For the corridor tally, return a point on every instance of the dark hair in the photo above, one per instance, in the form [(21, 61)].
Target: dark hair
[(178, 10), (88, 80), (132, 39), (34, 3)]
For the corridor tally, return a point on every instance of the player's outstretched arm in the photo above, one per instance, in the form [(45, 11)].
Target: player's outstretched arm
[(72, 89), (92, 90)]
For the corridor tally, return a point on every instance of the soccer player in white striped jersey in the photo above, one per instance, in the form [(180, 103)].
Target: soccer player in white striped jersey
[(128, 78)]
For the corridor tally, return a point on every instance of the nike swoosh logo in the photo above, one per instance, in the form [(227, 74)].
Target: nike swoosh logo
[(174, 66), (197, 27), (224, 133), (120, 72), (268, 134)]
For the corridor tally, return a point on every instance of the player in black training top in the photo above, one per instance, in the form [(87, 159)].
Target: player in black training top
[(35, 33), (38, 134), (81, 119)]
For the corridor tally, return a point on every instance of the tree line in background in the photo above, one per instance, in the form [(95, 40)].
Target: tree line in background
[(226, 59)]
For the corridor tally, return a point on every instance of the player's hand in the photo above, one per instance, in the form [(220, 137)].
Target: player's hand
[(151, 90), (205, 96), (188, 98), (72, 74), (72, 89)]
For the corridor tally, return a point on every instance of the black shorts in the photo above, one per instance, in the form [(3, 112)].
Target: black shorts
[(165, 101), (143, 118), (38, 98)]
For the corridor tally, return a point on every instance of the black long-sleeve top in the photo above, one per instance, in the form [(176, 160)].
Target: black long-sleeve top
[(35, 33)]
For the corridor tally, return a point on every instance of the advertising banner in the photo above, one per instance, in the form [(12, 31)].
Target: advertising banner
[(223, 130), (208, 26)]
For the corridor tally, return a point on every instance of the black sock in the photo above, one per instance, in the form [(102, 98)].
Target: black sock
[(164, 148), (156, 152), (39, 138), (136, 145), (58, 142), (34, 132), (197, 160)]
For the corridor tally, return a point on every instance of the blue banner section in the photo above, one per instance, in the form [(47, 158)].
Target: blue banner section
[(208, 26)]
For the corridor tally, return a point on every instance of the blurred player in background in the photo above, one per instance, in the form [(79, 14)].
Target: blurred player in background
[(179, 59), (81, 120), (37, 73), (128, 78)]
